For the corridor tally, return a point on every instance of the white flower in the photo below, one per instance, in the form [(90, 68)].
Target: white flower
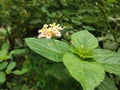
[(50, 30)]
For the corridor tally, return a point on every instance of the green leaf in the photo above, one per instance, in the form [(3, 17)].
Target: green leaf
[(112, 68), (5, 46), (108, 44), (88, 28), (4, 55), (84, 41), (107, 84), (112, 0), (20, 72), (18, 51), (76, 20), (106, 56), (110, 60), (2, 77), (10, 67), (35, 21), (53, 50), (89, 74), (3, 65), (4, 52), (89, 19)]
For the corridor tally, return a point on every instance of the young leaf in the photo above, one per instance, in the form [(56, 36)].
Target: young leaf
[(2, 77), (84, 41), (3, 65), (4, 55), (18, 51), (88, 28), (20, 72), (53, 50), (10, 67), (4, 52), (89, 74)]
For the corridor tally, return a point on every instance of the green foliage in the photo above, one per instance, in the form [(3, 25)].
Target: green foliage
[(4, 52), (91, 63), (84, 43), (84, 71), (10, 67), (106, 56), (18, 51), (22, 18), (6, 63), (3, 65), (55, 51), (2, 77), (58, 71)]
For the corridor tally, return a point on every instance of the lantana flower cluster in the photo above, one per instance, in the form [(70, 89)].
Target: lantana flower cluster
[(50, 30)]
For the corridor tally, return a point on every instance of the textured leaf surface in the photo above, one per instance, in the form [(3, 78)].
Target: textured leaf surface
[(112, 68), (109, 60), (106, 56), (89, 74), (48, 48), (84, 41)]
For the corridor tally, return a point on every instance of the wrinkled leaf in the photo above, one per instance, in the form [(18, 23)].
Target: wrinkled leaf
[(88, 74), (106, 56), (112, 68), (53, 50), (84, 41)]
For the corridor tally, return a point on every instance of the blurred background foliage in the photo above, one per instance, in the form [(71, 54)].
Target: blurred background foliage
[(23, 18)]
